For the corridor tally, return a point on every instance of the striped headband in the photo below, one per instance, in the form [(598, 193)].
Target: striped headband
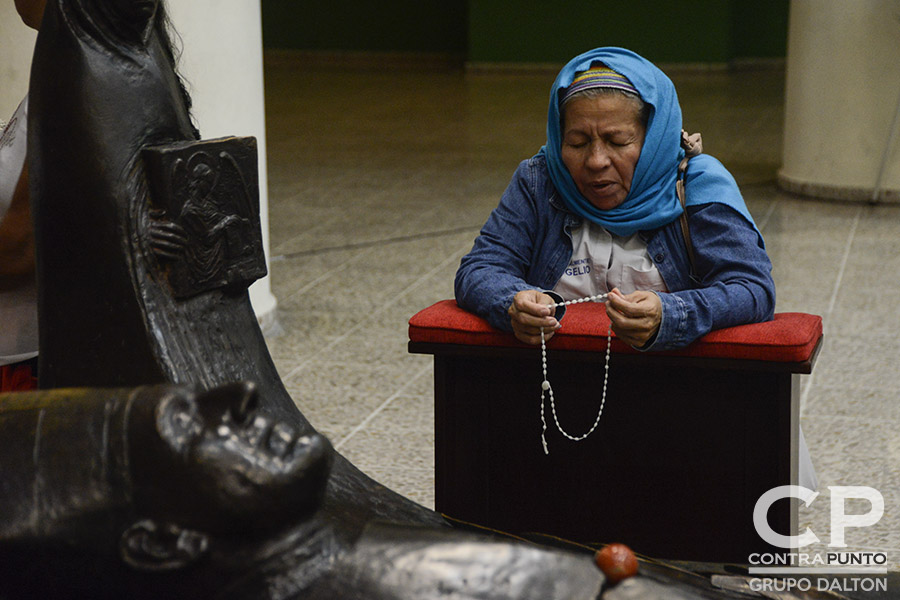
[(598, 77)]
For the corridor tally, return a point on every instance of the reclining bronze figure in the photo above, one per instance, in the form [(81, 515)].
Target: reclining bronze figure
[(163, 492)]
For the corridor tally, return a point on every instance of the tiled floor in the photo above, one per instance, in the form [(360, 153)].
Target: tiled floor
[(379, 181)]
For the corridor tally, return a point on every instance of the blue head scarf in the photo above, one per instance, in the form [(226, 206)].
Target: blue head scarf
[(652, 200)]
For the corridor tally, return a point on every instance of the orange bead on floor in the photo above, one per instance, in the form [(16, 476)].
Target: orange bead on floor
[(617, 562)]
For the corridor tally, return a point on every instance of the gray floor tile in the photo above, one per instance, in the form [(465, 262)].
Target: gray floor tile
[(336, 397), (836, 442), (868, 404), (884, 535), (865, 360), (373, 203), (415, 484), (399, 436)]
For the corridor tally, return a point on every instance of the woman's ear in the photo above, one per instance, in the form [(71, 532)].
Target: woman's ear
[(151, 546)]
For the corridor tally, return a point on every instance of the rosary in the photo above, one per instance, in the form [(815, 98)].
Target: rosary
[(545, 384)]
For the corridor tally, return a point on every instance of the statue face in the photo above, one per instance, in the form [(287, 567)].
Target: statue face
[(202, 180), (216, 465)]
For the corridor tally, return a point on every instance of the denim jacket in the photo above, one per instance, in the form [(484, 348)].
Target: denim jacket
[(526, 243)]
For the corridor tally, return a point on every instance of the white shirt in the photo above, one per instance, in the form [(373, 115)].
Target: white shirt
[(602, 260), (12, 155), (18, 307)]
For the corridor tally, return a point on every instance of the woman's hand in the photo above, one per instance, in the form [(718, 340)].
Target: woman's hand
[(530, 311), (635, 317)]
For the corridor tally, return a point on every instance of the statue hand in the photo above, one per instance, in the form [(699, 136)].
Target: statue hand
[(167, 238)]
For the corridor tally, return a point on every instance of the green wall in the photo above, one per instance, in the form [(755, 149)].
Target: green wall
[(686, 31), (413, 26), (533, 31), (759, 28)]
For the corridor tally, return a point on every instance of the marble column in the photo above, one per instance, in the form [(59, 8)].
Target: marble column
[(842, 100), (221, 61), (16, 48)]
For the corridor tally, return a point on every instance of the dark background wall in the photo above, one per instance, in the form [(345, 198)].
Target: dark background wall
[(533, 31), (413, 26)]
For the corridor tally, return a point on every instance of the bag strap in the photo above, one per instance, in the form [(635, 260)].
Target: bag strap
[(693, 145)]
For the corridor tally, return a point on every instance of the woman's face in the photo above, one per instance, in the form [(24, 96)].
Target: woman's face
[(602, 138)]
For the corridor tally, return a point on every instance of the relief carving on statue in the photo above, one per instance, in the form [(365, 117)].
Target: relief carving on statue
[(206, 224)]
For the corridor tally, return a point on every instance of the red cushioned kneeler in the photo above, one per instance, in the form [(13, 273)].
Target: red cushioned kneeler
[(687, 443)]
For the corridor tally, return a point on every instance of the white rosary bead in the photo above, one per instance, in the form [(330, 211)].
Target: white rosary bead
[(597, 298), (545, 384)]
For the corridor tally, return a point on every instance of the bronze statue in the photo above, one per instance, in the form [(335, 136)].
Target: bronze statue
[(127, 200), (162, 492)]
